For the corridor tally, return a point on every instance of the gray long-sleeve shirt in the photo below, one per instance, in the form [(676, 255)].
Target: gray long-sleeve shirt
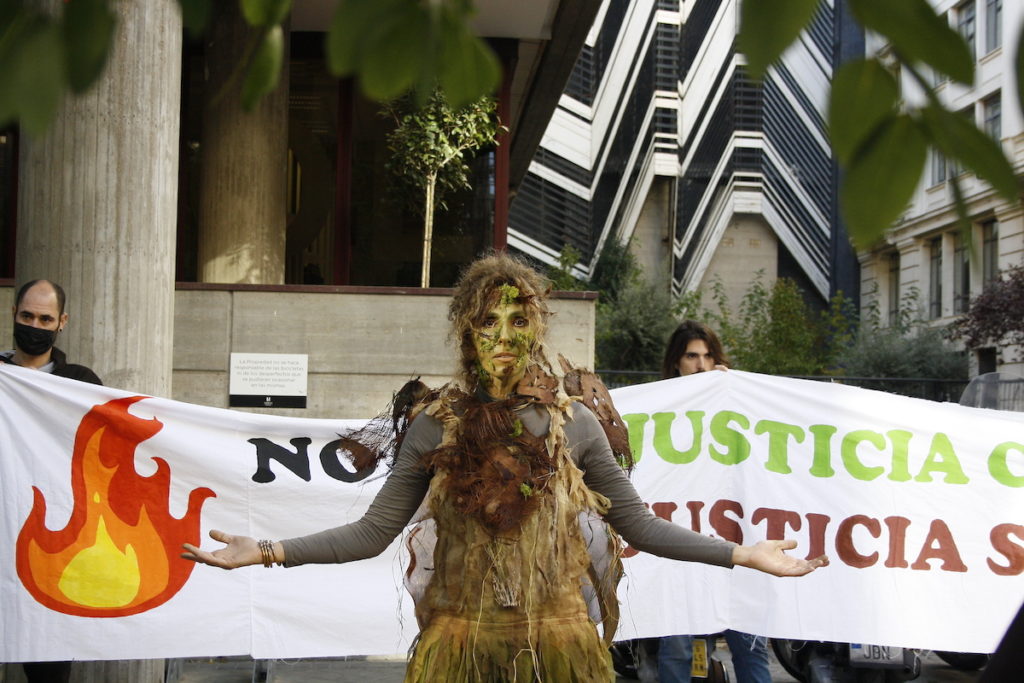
[(407, 484)]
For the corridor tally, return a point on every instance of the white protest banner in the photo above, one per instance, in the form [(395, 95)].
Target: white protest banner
[(917, 503), (919, 506), (92, 529)]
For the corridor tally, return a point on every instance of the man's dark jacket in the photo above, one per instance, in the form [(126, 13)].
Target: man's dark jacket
[(62, 368)]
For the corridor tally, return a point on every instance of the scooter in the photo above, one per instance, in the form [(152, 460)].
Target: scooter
[(821, 662)]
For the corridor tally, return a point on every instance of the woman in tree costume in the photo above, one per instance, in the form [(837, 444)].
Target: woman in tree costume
[(514, 470)]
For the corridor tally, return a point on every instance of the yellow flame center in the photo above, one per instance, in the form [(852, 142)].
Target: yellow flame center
[(101, 575)]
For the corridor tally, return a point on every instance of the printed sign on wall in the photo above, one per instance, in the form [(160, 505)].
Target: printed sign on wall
[(268, 380)]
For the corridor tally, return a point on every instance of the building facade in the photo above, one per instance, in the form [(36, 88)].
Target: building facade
[(662, 141), (155, 185), (928, 268)]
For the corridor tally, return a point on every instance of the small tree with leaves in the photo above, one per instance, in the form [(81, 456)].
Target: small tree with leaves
[(428, 148), (996, 316)]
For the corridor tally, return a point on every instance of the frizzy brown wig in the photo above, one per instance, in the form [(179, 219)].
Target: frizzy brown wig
[(479, 290)]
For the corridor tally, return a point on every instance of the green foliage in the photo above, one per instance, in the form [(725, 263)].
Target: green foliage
[(561, 276), (769, 27), (265, 12), (195, 14), (918, 34), (427, 148), (881, 141), (394, 46), (42, 56), (1019, 62), (430, 142), (923, 353), (87, 29), (631, 329), (615, 271), (958, 138), (886, 169), (907, 348), (634, 318), (390, 46), (864, 94), (774, 330), (265, 72)]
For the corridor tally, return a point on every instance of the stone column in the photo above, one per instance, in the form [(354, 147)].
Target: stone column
[(97, 204), (244, 158), (96, 213)]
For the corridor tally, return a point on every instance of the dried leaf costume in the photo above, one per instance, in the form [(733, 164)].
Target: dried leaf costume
[(510, 487), (516, 489)]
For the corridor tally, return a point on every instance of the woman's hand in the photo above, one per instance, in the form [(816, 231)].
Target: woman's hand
[(240, 551), (767, 556)]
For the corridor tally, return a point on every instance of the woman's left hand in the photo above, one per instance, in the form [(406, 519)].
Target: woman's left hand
[(768, 556)]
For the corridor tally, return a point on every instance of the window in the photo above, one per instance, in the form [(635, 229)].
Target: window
[(349, 221), (993, 24), (961, 275), (939, 171), (939, 78), (989, 251), (935, 278), (986, 360), (894, 288), (966, 24), (992, 111), (952, 167)]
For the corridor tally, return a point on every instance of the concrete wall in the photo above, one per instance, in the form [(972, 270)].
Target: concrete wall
[(361, 346), (651, 242), (747, 247)]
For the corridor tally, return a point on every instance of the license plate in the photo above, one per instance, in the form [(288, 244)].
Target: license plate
[(881, 656), (699, 662)]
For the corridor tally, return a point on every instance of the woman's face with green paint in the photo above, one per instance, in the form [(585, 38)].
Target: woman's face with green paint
[(503, 340)]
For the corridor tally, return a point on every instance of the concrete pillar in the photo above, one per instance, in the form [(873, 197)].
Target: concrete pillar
[(96, 213), (244, 158), (97, 204)]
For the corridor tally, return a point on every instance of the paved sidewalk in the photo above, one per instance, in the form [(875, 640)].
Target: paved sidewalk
[(392, 670)]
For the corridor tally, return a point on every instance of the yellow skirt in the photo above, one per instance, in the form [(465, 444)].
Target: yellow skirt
[(555, 650)]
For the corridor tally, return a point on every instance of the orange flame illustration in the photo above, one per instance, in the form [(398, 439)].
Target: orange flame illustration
[(118, 554)]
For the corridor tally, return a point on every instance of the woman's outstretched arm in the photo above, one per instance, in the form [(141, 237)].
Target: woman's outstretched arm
[(644, 531), (369, 536)]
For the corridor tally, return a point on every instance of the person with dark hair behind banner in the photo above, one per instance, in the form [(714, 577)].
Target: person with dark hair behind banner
[(694, 347), (39, 316), (509, 465)]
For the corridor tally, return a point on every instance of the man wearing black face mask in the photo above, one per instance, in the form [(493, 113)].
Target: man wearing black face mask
[(38, 317)]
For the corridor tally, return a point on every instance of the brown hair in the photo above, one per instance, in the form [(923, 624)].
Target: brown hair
[(687, 331), (478, 291)]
